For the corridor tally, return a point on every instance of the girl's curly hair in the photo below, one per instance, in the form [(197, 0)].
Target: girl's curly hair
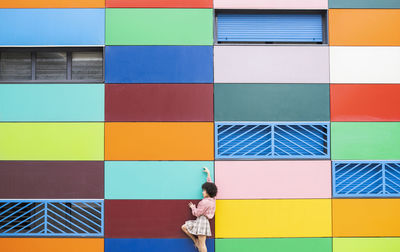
[(210, 188)]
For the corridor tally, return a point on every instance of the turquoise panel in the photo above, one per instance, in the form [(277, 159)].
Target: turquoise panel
[(155, 179), (52, 26), (51, 102), (367, 4)]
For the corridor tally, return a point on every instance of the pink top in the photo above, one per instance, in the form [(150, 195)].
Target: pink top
[(205, 207)]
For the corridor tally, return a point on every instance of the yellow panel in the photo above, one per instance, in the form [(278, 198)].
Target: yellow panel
[(51, 244), (51, 141), (273, 218)]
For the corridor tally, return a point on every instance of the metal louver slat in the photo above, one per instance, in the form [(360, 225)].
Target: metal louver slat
[(51, 218), (259, 27), (366, 179), (271, 140)]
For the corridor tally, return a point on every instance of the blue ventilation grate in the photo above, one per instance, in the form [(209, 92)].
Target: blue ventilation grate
[(271, 140), (51, 218), (366, 179)]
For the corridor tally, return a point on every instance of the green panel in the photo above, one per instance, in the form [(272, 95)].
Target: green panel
[(159, 26), (366, 244), (52, 141), (365, 140), (271, 102), (147, 179), (274, 245), (377, 4)]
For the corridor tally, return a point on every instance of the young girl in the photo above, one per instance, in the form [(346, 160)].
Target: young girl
[(204, 211)]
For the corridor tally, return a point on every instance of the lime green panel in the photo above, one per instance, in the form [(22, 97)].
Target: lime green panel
[(51, 141), (365, 140), (366, 244), (159, 26), (274, 244)]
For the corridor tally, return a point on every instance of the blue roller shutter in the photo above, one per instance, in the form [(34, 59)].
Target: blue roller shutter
[(259, 27)]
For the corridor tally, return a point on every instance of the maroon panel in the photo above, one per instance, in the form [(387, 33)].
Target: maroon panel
[(159, 102), (147, 218), (51, 179)]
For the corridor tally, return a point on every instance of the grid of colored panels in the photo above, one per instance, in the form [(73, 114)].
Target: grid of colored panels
[(301, 135)]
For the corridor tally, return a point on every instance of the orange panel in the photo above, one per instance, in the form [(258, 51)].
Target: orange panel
[(51, 244), (366, 217), (365, 102), (52, 3), (366, 27), (159, 3), (159, 141)]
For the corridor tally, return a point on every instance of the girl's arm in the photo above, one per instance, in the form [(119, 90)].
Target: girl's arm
[(200, 209), (208, 174)]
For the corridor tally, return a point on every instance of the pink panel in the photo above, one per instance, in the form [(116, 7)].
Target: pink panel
[(273, 179), (271, 4)]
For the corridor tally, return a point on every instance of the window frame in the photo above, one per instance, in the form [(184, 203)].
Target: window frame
[(323, 12), (67, 50)]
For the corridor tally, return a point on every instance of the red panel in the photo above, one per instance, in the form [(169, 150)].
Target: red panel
[(147, 218), (365, 102), (51, 179), (159, 102), (159, 3)]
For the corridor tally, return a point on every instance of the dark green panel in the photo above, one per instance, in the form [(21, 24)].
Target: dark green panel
[(271, 102), (367, 4), (274, 245)]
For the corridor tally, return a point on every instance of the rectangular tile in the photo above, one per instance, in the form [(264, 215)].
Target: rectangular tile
[(273, 179), (274, 244), (366, 217), (142, 218), (52, 4), (51, 179), (271, 64), (273, 218), (374, 4), (364, 27), (64, 27), (159, 64), (159, 102), (366, 244), (52, 244), (365, 140), (147, 179), (51, 141), (160, 3), (263, 102), (368, 102), (153, 245), (51, 102), (159, 141), (159, 26), (365, 64), (270, 4)]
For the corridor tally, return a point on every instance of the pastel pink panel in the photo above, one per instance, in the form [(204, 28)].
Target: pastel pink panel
[(271, 4), (273, 179)]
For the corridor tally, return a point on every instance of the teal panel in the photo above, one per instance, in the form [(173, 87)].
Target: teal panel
[(271, 102), (367, 4), (155, 179), (51, 102)]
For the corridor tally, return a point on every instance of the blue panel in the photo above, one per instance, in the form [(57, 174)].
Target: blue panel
[(272, 140), (366, 179), (51, 218), (159, 64), (51, 102), (52, 26), (258, 27), (153, 245)]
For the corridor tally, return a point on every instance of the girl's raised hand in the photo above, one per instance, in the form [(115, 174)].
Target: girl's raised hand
[(206, 170)]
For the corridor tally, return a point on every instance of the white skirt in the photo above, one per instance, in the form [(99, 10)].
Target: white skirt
[(200, 226)]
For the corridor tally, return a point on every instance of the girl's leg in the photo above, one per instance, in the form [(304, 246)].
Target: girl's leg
[(202, 243), (184, 229)]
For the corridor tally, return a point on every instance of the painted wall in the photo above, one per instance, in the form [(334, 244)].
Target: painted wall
[(139, 139)]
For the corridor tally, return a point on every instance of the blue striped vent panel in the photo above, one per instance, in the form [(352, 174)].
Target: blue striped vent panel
[(272, 140), (366, 179), (51, 218), (270, 27)]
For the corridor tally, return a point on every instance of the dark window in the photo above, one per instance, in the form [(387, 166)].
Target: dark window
[(51, 65)]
